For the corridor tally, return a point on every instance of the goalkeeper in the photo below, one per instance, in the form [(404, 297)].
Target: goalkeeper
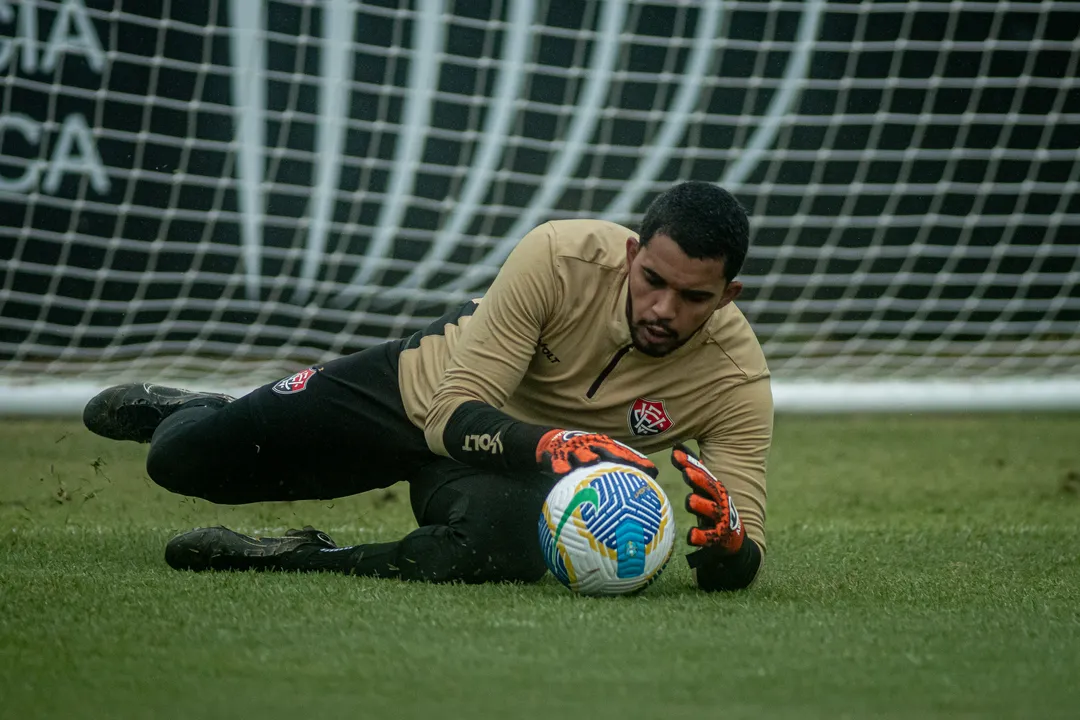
[(591, 343)]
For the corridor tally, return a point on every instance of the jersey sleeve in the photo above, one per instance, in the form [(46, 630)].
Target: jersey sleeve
[(736, 448), (497, 344)]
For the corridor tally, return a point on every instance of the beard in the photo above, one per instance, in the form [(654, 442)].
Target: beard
[(665, 342), (653, 348)]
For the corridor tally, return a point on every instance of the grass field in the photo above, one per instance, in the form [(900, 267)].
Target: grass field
[(918, 567)]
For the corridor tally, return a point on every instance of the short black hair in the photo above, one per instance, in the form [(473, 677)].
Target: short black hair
[(704, 220)]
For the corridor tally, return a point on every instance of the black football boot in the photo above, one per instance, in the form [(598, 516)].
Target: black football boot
[(219, 548), (133, 412)]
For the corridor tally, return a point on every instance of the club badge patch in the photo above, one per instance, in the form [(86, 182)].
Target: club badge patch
[(294, 383), (648, 417)]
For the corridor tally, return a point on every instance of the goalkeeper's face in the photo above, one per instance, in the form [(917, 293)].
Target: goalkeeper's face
[(671, 295)]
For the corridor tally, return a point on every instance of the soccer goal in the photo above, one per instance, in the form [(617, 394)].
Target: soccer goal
[(216, 193)]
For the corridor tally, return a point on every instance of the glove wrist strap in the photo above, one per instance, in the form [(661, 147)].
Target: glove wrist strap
[(717, 570)]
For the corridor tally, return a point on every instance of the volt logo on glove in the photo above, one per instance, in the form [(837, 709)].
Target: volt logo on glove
[(485, 443)]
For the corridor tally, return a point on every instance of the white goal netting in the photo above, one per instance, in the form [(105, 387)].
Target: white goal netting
[(219, 192)]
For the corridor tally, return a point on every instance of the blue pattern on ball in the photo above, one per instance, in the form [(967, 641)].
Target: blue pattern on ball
[(630, 539), (623, 495)]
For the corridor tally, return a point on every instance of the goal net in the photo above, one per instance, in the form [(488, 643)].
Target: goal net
[(216, 193)]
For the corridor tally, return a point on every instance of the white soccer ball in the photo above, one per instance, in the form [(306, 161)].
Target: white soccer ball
[(606, 529)]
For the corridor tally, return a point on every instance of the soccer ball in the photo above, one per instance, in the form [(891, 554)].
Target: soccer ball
[(606, 529)]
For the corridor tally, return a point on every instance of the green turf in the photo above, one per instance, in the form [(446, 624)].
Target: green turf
[(919, 567)]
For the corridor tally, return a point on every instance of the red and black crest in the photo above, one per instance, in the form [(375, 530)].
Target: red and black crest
[(648, 417), (294, 383)]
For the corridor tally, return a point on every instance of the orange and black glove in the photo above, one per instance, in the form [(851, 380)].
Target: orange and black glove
[(562, 451), (718, 523)]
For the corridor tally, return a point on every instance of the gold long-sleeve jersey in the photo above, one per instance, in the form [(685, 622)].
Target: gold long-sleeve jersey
[(549, 344)]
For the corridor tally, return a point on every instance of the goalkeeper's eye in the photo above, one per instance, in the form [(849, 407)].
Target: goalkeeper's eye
[(653, 279), (696, 298)]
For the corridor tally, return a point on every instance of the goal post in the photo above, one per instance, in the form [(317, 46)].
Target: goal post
[(216, 193)]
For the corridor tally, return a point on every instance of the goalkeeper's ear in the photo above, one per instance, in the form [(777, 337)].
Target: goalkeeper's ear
[(732, 291)]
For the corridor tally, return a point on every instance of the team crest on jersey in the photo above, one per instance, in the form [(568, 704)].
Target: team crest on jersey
[(648, 417), (294, 383)]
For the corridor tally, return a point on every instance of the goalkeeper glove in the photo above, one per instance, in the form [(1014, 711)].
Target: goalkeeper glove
[(718, 521), (562, 451)]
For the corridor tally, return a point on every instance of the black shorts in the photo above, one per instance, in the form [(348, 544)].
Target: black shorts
[(333, 430)]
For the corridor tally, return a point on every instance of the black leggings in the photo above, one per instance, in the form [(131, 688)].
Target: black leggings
[(346, 432)]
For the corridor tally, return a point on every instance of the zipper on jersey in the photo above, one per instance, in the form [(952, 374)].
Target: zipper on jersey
[(607, 370)]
